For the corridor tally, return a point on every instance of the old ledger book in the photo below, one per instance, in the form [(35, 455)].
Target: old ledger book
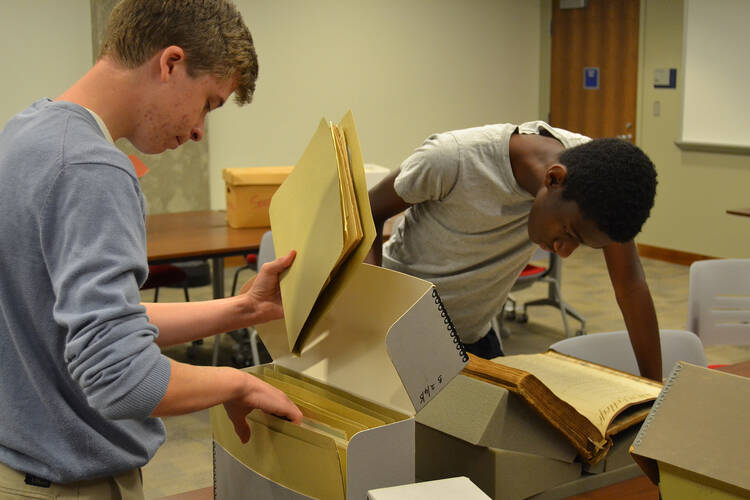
[(323, 212), (586, 402)]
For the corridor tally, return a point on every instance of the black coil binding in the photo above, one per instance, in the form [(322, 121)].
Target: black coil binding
[(449, 325)]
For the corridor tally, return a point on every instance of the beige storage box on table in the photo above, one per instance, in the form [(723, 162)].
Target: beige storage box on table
[(249, 191)]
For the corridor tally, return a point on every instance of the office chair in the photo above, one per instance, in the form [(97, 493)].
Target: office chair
[(160, 275), (613, 349), (189, 274), (719, 301), (531, 274)]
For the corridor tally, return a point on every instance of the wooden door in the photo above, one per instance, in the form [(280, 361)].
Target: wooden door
[(602, 35)]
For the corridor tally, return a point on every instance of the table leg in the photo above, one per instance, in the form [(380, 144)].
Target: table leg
[(217, 267)]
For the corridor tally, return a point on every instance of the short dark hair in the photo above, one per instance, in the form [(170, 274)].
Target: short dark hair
[(614, 184), (212, 33)]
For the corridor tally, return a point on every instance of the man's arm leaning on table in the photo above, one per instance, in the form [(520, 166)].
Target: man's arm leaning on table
[(637, 306), (384, 203)]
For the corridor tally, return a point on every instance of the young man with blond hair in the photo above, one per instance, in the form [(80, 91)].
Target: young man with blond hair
[(82, 378)]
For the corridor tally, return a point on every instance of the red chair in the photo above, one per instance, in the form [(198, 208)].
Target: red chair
[(550, 274)]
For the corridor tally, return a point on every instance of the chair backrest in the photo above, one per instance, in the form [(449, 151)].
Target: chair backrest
[(719, 301), (613, 349), (531, 273), (266, 251)]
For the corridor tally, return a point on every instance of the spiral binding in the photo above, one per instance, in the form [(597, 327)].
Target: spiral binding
[(213, 457), (657, 404), (449, 325)]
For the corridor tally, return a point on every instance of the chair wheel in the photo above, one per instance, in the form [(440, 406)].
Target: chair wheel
[(522, 318), (510, 315), (580, 332)]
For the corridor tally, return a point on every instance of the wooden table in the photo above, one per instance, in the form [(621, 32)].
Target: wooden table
[(639, 488), (200, 234)]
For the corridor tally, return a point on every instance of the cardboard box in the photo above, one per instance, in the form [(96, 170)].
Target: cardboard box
[(501, 474), (589, 482), (249, 191), (490, 435), (442, 489), (383, 342), (695, 441), (486, 415), (361, 349)]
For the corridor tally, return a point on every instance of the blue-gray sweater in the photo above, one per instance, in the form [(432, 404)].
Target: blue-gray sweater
[(79, 370)]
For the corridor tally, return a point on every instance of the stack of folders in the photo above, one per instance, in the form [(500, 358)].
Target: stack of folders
[(349, 210), (327, 411), (322, 211)]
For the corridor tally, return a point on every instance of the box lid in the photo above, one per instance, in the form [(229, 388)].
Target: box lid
[(439, 489), (246, 176), (376, 333), (385, 340), (699, 424)]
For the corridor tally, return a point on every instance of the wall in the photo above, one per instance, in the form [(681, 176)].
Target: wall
[(405, 69), (177, 180), (695, 189), (45, 47)]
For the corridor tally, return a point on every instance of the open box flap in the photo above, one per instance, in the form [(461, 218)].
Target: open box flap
[(698, 423), (384, 340)]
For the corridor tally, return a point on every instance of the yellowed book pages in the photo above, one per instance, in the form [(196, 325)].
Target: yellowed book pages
[(599, 395), (578, 398)]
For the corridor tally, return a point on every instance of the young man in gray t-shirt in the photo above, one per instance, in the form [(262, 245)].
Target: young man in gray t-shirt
[(478, 201)]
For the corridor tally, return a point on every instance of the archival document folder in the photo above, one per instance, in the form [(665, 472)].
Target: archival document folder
[(322, 211)]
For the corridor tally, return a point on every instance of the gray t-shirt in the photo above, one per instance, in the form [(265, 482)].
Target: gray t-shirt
[(466, 230)]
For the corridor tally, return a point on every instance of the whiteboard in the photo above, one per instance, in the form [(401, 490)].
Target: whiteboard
[(716, 64)]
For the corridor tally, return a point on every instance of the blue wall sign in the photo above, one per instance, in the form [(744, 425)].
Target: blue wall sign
[(591, 78)]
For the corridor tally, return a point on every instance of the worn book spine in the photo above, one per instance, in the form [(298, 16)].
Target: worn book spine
[(576, 428)]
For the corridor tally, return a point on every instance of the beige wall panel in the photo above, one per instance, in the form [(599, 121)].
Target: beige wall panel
[(405, 69), (695, 189)]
